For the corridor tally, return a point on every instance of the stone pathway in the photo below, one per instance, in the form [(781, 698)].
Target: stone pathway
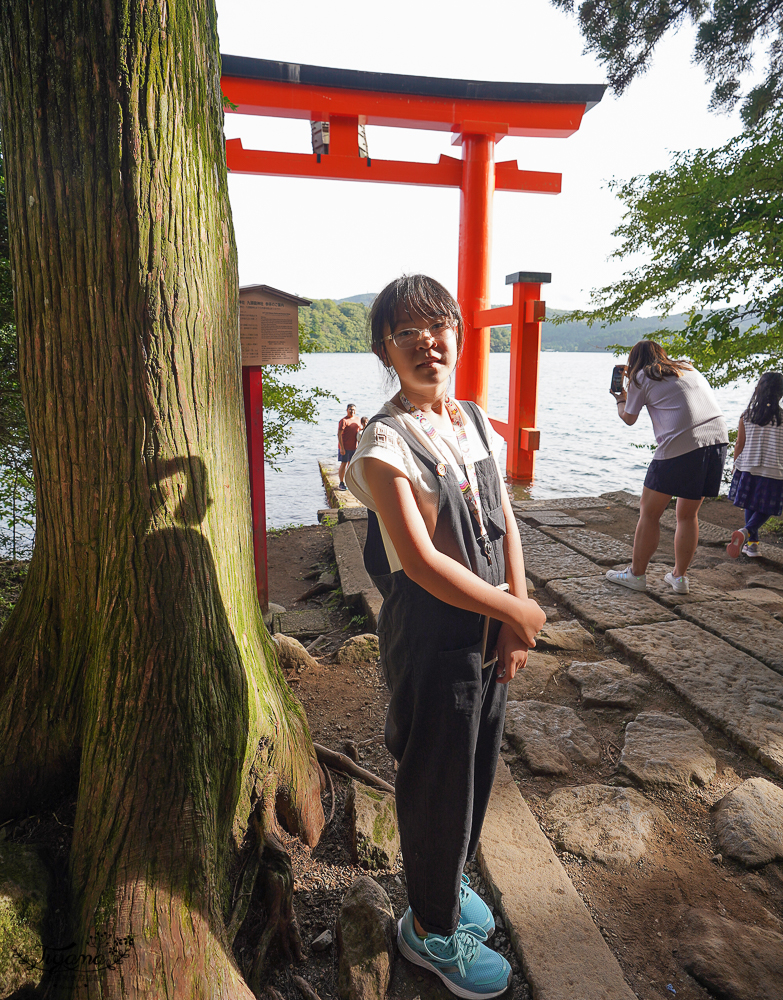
[(720, 649)]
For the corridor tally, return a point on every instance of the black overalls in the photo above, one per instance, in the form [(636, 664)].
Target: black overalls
[(445, 719)]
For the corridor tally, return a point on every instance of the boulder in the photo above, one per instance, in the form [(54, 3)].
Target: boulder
[(365, 934), (292, 655), (665, 750), (372, 820), (749, 822), (24, 884), (603, 823), (731, 960), (359, 649)]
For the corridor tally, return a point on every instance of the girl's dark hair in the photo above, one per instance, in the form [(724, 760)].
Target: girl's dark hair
[(649, 357), (764, 405), (417, 295)]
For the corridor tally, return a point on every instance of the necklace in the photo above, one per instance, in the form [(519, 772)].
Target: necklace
[(468, 483)]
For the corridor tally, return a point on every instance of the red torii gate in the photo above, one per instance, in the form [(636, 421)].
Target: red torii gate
[(478, 114)]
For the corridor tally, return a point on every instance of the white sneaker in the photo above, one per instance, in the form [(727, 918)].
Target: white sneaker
[(626, 578), (679, 584)]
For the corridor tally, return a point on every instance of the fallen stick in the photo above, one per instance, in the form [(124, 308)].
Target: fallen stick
[(305, 988), (340, 762)]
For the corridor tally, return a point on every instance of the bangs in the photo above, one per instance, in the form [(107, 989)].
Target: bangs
[(416, 295)]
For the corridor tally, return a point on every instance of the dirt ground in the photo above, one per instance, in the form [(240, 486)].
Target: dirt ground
[(635, 908)]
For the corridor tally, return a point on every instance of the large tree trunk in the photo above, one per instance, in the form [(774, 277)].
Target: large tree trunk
[(135, 667)]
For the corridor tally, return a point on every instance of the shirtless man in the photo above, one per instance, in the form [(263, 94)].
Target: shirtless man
[(347, 433)]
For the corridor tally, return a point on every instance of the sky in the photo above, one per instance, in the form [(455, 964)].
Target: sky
[(334, 239)]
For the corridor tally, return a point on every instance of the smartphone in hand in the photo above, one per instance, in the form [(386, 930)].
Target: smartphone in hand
[(617, 378)]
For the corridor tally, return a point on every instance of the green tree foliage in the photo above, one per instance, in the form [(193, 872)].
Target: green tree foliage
[(709, 227), (284, 403), (17, 487), (339, 327), (623, 35)]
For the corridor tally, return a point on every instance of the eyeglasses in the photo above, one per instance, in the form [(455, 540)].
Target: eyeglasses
[(441, 330)]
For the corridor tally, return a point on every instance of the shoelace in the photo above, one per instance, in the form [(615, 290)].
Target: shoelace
[(463, 946)]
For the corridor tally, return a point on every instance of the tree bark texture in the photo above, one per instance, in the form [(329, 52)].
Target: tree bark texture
[(135, 667)]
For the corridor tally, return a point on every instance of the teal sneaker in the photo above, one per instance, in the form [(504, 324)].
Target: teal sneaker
[(461, 961), (473, 909)]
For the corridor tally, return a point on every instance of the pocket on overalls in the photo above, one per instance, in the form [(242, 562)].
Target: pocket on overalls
[(496, 526), (460, 678)]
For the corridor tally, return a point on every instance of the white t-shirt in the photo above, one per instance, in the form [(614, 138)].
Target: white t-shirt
[(762, 454), (684, 412), (383, 442)]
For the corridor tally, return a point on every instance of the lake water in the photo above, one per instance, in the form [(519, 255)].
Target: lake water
[(585, 448)]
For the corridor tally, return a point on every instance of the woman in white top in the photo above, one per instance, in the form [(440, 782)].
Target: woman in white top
[(443, 548), (688, 463), (757, 484)]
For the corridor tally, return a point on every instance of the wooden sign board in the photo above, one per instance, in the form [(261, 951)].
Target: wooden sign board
[(268, 329)]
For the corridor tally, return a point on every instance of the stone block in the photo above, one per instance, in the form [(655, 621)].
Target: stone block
[(351, 514), (608, 684), (662, 591), (366, 931), (551, 931), (559, 503), (663, 750), (749, 822), (566, 635), (595, 545), (532, 681), (744, 625), (354, 578), (601, 823), (607, 605), (302, 624), (550, 737), (624, 497), (372, 820), (709, 534), (552, 518), (556, 562), (729, 959), (736, 692)]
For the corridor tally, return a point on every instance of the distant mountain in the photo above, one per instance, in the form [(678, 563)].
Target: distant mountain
[(365, 299), (341, 326)]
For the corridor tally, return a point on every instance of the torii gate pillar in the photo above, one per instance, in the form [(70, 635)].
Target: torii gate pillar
[(475, 243)]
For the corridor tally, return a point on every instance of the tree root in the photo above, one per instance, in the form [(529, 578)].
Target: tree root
[(305, 988), (339, 762), (275, 884), (326, 771)]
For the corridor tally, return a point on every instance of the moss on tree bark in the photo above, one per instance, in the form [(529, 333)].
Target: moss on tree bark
[(135, 668)]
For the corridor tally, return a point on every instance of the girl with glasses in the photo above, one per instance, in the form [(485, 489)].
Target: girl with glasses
[(444, 550)]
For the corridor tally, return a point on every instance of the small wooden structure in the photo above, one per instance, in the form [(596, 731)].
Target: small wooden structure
[(269, 333)]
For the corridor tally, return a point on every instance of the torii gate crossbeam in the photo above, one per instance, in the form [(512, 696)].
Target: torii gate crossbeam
[(478, 114)]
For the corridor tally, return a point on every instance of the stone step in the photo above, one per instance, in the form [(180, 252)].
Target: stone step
[(595, 545), (554, 561), (561, 950), (608, 605), (742, 624), (337, 498), (355, 582), (735, 691)]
